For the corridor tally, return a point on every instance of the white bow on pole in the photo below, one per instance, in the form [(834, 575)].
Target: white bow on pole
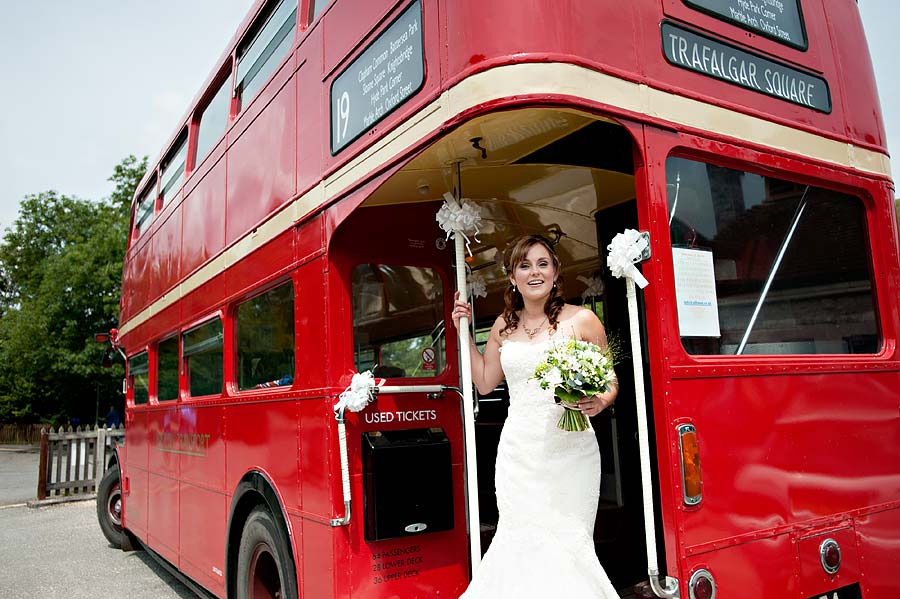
[(627, 249)]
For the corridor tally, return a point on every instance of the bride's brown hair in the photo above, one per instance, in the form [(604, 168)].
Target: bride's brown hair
[(513, 256)]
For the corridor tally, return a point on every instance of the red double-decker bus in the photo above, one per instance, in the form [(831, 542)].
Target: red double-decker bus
[(286, 239)]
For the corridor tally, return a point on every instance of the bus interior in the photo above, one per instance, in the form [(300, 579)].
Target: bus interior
[(562, 173)]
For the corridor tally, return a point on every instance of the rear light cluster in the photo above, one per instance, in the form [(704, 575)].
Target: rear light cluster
[(691, 485), (830, 555), (702, 585)]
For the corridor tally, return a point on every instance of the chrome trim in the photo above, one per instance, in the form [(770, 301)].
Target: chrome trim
[(691, 500), (824, 547), (701, 573)]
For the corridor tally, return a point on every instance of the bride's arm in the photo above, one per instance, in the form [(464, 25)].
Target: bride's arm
[(486, 370), (589, 328)]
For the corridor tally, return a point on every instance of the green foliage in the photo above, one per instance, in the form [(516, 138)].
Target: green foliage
[(60, 273)]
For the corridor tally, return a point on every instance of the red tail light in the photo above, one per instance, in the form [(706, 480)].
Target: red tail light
[(702, 585), (691, 484)]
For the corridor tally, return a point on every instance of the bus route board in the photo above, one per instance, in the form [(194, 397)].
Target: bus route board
[(780, 20), (387, 72)]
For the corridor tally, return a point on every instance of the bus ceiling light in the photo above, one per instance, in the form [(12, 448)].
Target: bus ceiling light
[(691, 483), (830, 555), (702, 585)]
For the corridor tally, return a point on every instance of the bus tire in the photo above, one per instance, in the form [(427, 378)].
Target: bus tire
[(109, 509), (265, 569)]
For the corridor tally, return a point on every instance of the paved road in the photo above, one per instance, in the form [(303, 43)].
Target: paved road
[(59, 552), (18, 473)]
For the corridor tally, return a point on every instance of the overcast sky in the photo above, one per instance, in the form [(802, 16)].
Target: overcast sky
[(88, 82)]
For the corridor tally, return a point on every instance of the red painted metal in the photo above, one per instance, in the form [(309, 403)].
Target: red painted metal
[(793, 448)]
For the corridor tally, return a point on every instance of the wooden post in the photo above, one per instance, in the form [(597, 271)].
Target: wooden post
[(42, 467), (99, 457)]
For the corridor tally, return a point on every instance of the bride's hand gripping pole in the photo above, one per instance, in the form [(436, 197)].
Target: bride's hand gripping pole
[(625, 251), (457, 218)]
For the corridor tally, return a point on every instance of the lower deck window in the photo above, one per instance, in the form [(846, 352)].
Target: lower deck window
[(265, 339), (139, 378), (398, 321), (767, 266), (202, 348)]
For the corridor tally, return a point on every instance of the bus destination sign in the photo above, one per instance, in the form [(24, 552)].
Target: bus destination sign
[(388, 72), (780, 20), (689, 50)]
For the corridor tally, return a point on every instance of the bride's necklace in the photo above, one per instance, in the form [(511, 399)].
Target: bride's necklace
[(532, 332)]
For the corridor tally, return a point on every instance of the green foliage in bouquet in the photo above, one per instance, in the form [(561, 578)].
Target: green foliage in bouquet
[(576, 369)]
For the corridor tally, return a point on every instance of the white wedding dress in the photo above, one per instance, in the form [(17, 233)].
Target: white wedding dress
[(548, 484)]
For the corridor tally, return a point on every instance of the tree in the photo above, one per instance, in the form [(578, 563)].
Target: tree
[(60, 274)]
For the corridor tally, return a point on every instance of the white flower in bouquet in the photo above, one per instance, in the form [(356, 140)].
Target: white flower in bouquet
[(575, 369)]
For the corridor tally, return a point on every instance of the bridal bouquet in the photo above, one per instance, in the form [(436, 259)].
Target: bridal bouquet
[(575, 369)]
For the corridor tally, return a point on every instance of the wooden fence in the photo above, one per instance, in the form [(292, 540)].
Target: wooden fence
[(72, 462), (20, 434)]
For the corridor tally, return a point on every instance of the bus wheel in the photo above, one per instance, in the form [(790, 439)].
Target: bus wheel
[(109, 508), (264, 568)]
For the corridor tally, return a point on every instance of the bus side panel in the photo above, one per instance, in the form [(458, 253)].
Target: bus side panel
[(272, 258), (312, 126), (162, 508), (751, 449), (264, 437), (261, 160), (857, 74), (204, 505), (763, 568), (484, 32), (879, 552), (204, 220), (201, 300), (317, 577), (135, 508), (140, 278), (166, 250)]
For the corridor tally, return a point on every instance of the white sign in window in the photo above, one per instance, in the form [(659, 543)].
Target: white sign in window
[(695, 293)]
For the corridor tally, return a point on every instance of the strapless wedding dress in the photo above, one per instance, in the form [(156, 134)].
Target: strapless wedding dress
[(548, 484)]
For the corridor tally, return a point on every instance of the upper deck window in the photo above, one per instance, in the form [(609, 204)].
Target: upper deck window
[(202, 349), (143, 213), (265, 340), (173, 169), (398, 320), (167, 370), (767, 266), (268, 43), (138, 377), (213, 120), (316, 7)]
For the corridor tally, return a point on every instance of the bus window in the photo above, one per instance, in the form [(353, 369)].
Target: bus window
[(265, 340), (138, 376), (213, 120), (316, 7), (143, 214), (269, 41), (767, 266), (202, 348), (167, 370), (398, 327), (173, 169)]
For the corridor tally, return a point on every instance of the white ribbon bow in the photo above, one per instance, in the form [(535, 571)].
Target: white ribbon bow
[(461, 217), (477, 285), (624, 251), (358, 395)]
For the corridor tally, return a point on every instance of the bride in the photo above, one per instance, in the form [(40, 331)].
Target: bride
[(547, 479)]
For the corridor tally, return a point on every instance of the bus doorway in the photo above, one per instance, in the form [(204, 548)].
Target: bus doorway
[(569, 176)]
